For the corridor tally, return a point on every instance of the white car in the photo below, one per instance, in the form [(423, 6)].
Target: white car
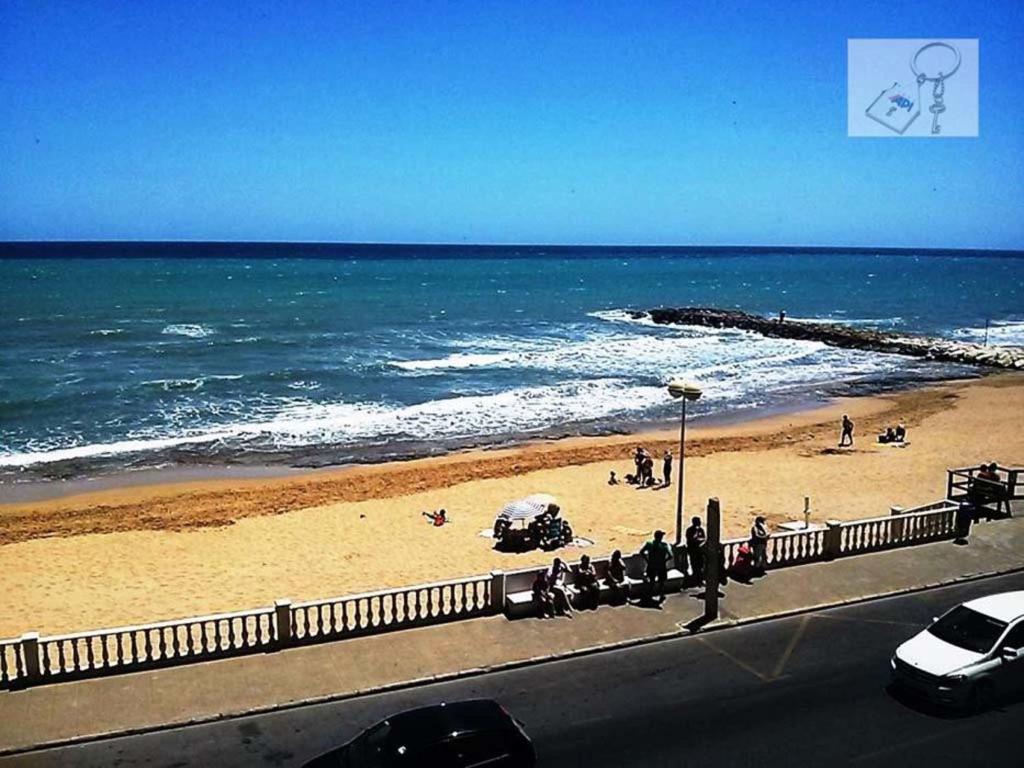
[(969, 655)]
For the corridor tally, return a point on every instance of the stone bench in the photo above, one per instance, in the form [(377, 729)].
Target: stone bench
[(519, 585)]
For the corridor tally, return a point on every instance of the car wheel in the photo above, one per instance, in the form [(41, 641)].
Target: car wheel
[(981, 697)]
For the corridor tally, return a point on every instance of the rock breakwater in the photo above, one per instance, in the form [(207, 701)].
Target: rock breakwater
[(928, 347)]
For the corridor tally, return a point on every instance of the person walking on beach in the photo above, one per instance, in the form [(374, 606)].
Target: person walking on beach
[(759, 544), (638, 461), (657, 552), (847, 431), (696, 538), (667, 467)]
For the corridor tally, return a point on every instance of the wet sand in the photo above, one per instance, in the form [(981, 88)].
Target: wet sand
[(134, 553)]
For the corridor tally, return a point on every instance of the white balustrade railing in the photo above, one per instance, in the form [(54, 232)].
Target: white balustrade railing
[(32, 659), (391, 609), (12, 664), (895, 530)]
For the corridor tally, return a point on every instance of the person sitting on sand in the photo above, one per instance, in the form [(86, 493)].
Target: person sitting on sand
[(559, 589), (648, 471), (585, 582), (543, 600), (612, 479), (901, 433), (438, 518), (847, 432), (616, 576)]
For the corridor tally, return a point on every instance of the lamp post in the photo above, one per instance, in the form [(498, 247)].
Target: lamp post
[(682, 391)]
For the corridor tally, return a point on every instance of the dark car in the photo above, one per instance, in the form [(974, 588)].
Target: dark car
[(459, 734)]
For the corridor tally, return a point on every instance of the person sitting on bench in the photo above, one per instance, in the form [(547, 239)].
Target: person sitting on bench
[(558, 587), (543, 600), (616, 576), (585, 581)]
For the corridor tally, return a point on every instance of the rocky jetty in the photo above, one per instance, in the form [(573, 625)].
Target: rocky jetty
[(843, 336)]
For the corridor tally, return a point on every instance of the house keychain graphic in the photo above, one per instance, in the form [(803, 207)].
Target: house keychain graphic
[(899, 105)]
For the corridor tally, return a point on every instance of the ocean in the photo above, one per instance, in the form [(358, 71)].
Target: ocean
[(196, 354)]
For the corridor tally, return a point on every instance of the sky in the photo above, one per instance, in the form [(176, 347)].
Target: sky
[(692, 123)]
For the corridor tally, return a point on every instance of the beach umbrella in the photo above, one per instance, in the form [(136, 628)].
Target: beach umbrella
[(528, 508)]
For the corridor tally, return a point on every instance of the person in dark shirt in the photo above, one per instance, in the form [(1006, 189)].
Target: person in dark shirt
[(666, 469), (585, 581), (657, 553), (696, 538), (542, 597), (616, 576), (759, 544), (847, 433)]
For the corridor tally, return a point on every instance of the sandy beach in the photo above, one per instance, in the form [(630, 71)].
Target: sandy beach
[(144, 553)]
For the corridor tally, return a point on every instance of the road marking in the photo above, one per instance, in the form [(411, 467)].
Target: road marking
[(738, 662), (791, 647), (905, 745), (873, 621)]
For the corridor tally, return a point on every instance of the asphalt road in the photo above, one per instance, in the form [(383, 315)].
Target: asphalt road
[(808, 690)]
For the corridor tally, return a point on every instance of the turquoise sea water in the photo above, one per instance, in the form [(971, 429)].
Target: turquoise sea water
[(364, 353)]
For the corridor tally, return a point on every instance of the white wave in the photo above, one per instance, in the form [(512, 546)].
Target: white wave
[(1001, 333), (624, 316), (191, 384), (106, 331), (301, 422), (191, 330), (455, 362), (49, 456), (304, 385)]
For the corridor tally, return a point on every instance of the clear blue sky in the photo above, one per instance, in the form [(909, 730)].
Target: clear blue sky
[(548, 122)]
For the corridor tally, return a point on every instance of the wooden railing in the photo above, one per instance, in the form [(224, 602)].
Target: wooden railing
[(996, 495), (32, 659)]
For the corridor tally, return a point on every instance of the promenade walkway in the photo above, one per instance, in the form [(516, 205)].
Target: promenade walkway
[(179, 695)]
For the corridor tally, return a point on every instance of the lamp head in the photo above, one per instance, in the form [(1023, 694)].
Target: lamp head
[(685, 389)]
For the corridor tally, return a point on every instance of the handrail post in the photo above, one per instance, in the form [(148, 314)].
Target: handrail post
[(713, 559), (896, 527), (30, 655), (497, 591), (283, 622), (833, 539), (949, 484)]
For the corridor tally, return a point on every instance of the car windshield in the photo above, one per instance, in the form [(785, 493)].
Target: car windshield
[(968, 629)]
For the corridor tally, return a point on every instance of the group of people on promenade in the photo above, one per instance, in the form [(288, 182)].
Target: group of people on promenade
[(553, 595), (643, 474)]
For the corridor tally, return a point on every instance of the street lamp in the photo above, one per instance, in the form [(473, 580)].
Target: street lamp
[(682, 390)]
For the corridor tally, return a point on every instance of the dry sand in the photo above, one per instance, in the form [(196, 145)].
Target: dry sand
[(140, 554)]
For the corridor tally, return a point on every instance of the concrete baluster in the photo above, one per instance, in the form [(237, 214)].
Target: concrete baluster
[(30, 655), (283, 621), (497, 591), (833, 539)]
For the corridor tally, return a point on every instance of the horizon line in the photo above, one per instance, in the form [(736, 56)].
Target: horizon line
[(444, 244)]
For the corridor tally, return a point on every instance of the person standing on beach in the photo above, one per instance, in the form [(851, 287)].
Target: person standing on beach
[(667, 467), (847, 431)]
